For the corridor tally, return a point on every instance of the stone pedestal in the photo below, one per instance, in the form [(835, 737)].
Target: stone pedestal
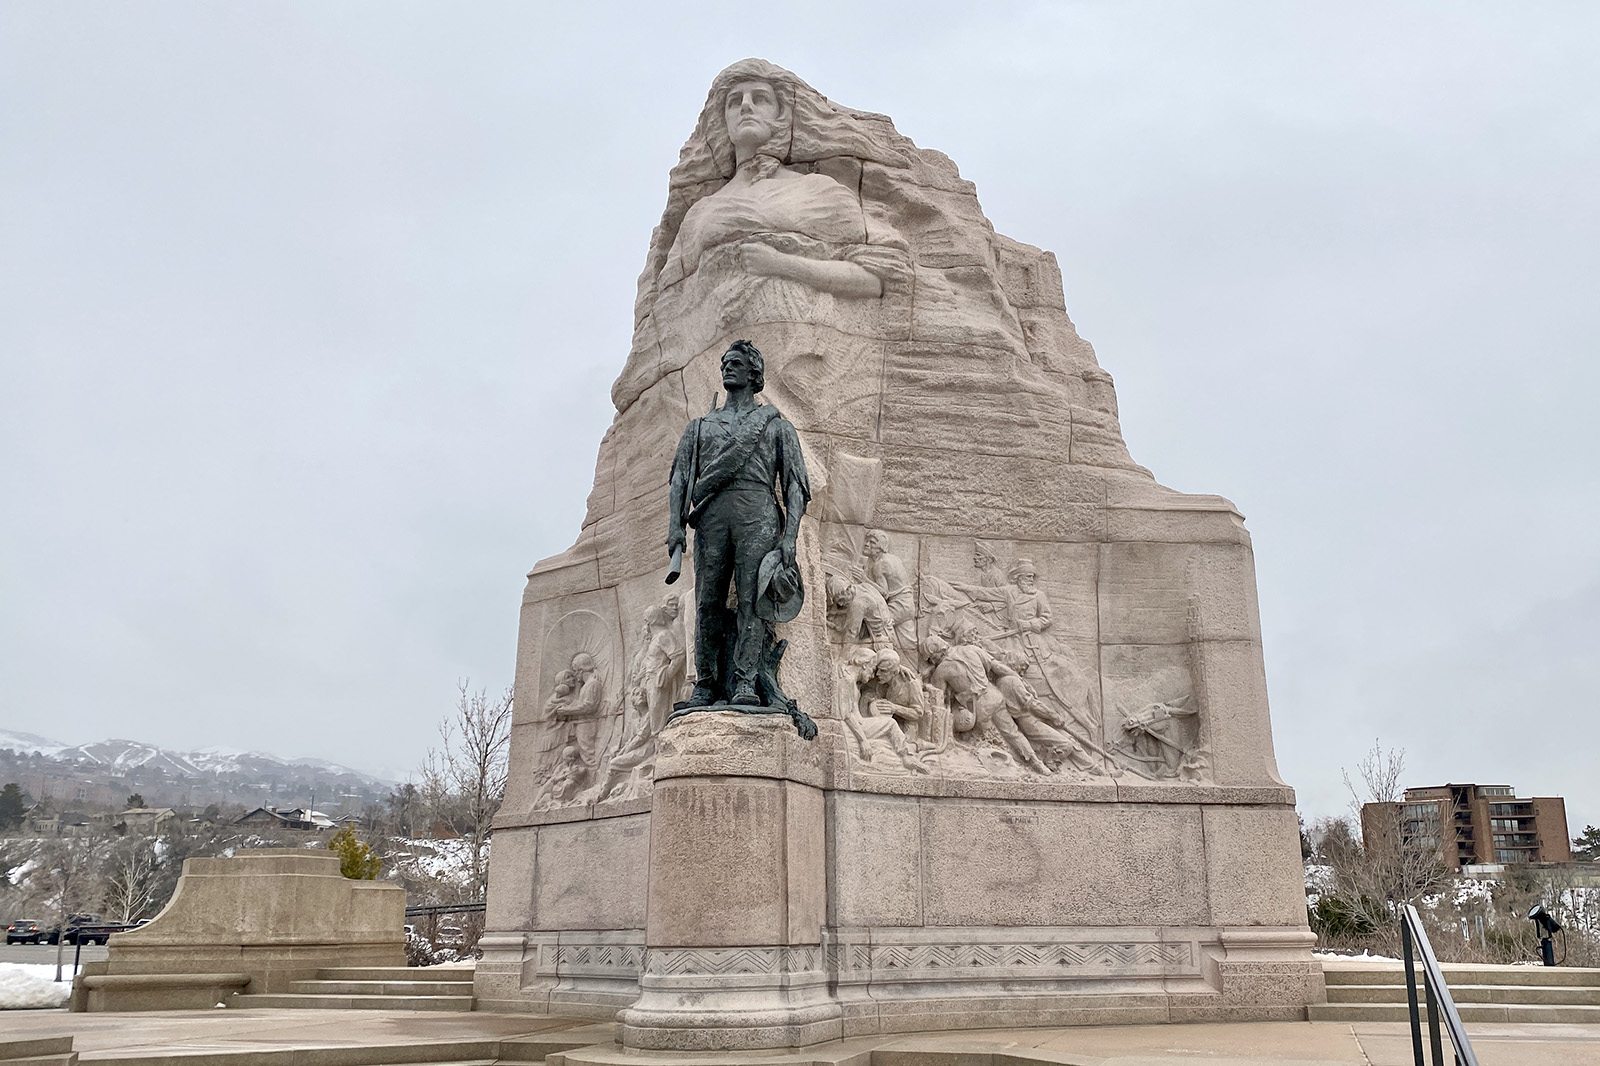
[(257, 922), (737, 891)]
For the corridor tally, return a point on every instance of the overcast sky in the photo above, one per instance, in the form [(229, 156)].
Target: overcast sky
[(309, 314)]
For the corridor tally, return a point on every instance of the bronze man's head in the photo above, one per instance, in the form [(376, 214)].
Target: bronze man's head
[(750, 355)]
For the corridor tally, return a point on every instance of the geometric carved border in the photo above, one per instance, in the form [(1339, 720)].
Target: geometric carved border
[(628, 961), (600, 960), (1057, 956), (722, 962)]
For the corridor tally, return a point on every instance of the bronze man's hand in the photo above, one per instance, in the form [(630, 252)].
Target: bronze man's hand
[(675, 540)]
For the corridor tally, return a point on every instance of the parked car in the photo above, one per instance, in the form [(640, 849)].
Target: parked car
[(24, 931), (74, 923)]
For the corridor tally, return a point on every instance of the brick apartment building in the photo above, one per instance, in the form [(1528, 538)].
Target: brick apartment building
[(1473, 824)]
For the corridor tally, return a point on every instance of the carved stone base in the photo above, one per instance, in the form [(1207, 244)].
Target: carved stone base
[(737, 891), (803, 725), (731, 999)]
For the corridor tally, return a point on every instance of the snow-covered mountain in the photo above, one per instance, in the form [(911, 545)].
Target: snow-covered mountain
[(120, 757), (29, 742)]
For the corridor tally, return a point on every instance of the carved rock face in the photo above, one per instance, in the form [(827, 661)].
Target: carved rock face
[(751, 114), (972, 488)]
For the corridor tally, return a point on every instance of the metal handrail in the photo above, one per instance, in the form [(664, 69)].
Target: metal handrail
[(1414, 939), (435, 909)]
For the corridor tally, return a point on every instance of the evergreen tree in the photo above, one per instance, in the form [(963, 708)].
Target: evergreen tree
[(12, 807), (356, 860), (135, 801), (1585, 846)]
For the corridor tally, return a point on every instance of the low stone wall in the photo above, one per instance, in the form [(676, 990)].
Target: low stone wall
[(257, 922)]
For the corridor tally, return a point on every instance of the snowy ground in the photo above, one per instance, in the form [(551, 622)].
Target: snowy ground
[(25, 985), (1365, 956)]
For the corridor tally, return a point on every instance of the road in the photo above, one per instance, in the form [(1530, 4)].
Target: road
[(47, 953)]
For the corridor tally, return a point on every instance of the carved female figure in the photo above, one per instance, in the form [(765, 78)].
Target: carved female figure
[(661, 668), (762, 200), (764, 224)]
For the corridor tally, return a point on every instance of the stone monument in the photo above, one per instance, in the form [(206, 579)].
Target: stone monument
[(257, 922), (1042, 789)]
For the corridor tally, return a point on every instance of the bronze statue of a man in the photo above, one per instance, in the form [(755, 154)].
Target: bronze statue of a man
[(740, 481)]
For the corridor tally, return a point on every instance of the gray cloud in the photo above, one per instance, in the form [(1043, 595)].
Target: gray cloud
[(308, 316)]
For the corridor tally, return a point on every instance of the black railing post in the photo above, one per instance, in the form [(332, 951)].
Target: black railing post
[(1442, 1012), (1411, 992), (1433, 1020)]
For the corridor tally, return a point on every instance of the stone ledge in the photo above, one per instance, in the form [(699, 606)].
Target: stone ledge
[(717, 743), (1043, 791), (585, 812), (165, 980), (154, 991), (1048, 791)]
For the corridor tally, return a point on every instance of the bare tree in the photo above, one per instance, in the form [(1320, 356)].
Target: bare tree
[(1379, 861), (131, 880), (72, 864), (464, 779), (1380, 772), (403, 803)]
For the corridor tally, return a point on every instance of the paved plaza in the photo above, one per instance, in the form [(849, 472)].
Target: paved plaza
[(346, 1038)]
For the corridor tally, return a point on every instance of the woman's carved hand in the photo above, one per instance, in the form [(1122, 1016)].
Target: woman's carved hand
[(758, 258), (839, 277)]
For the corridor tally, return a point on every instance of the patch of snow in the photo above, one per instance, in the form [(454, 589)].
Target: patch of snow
[(19, 741), (16, 876), (1319, 882), (32, 986), (449, 861), (1365, 956)]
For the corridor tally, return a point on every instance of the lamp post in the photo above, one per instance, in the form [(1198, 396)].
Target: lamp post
[(1548, 927)]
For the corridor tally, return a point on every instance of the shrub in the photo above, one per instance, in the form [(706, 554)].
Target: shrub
[(356, 860)]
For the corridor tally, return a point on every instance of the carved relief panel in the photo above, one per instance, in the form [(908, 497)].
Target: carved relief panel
[(599, 715), (982, 659)]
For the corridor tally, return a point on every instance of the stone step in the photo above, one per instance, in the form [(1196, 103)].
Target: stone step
[(69, 1059), (34, 1048), (383, 988), (452, 1053), (300, 1000), (1514, 1013), (1559, 995), (416, 1055), (1475, 975), (455, 974), (534, 1048)]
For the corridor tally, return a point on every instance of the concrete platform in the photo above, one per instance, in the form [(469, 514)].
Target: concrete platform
[(392, 1038)]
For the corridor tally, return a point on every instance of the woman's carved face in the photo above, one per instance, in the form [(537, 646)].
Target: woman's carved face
[(751, 111)]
